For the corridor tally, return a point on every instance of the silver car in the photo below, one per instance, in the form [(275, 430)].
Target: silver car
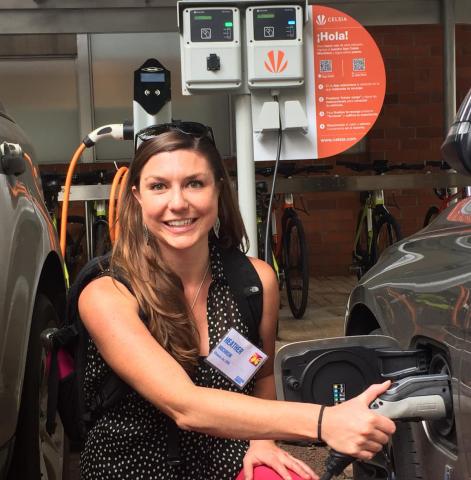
[(32, 297)]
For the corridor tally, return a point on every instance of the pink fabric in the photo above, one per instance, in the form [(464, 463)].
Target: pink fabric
[(65, 363), (266, 473)]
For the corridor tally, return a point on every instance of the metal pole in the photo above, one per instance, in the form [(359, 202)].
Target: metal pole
[(85, 92), (246, 168), (449, 62)]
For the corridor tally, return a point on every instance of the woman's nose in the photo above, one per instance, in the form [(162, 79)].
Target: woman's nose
[(177, 200)]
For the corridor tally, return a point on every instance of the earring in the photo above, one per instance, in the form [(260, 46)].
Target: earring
[(146, 234), (216, 227)]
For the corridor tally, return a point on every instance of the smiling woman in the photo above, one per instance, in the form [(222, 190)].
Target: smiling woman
[(158, 317), (178, 195)]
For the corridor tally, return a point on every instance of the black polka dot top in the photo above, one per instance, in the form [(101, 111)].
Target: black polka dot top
[(129, 441)]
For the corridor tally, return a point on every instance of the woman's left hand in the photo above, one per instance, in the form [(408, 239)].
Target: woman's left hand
[(266, 452)]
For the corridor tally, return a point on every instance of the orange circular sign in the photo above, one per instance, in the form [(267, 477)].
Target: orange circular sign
[(350, 80)]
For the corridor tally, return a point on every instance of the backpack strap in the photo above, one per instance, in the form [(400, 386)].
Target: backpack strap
[(247, 288)]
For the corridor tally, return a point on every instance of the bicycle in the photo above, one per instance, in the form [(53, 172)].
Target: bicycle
[(447, 196), (74, 254), (288, 252), (376, 228), (98, 240)]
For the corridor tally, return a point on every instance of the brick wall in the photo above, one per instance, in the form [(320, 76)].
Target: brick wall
[(409, 129)]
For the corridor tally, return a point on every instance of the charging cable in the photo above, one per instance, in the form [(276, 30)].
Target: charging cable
[(336, 464), (272, 193), (120, 131)]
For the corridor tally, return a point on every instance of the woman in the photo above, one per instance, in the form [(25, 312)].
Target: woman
[(178, 214)]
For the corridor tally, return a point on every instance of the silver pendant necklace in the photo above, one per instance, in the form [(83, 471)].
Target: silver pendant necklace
[(199, 288)]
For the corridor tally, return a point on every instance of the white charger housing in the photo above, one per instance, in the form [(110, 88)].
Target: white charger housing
[(210, 49), (274, 37)]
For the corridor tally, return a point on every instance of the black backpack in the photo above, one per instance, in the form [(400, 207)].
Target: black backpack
[(68, 347)]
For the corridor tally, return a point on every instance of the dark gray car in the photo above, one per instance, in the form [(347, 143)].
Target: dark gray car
[(32, 296), (408, 320), (419, 293)]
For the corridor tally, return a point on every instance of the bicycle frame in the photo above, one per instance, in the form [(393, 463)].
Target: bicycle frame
[(374, 200)]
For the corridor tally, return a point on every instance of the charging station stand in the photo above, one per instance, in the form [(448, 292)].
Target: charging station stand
[(222, 50)]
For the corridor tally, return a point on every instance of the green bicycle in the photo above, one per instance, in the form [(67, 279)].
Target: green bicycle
[(376, 228)]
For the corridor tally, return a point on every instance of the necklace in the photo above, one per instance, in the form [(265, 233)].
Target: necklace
[(199, 288)]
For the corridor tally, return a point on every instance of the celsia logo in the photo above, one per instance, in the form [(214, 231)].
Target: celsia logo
[(276, 62), (255, 359), (321, 20)]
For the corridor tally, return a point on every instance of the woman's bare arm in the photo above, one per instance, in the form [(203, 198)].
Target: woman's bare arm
[(110, 314)]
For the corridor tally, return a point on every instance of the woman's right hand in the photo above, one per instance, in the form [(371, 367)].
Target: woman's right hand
[(352, 428)]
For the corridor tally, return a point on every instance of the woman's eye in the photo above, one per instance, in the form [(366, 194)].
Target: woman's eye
[(157, 186), (195, 183)]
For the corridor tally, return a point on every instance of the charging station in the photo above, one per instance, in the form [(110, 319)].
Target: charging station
[(211, 49), (247, 49), (151, 106), (152, 95), (275, 53)]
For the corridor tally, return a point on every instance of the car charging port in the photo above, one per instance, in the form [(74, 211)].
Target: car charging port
[(443, 428)]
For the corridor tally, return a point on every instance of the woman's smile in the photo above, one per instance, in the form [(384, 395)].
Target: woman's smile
[(182, 225)]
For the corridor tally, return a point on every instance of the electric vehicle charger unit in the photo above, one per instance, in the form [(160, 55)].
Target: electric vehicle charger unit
[(274, 39), (152, 95), (210, 47)]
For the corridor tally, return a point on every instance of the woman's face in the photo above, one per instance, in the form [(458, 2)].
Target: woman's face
[(178, 195)]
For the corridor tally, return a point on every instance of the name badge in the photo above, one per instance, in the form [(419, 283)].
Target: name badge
[(236, 358)]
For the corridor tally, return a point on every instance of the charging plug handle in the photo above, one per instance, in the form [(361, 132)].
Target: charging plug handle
[(426, 397)]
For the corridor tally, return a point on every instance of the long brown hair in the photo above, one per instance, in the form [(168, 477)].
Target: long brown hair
[(158, 290)]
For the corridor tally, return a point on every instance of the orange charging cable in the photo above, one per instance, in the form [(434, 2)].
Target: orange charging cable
[(65, 201)]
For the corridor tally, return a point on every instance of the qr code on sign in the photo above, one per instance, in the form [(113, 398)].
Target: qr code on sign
[(326, 65), (359, 65)]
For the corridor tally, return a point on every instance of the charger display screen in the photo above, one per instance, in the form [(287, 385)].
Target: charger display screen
[(212, 25), (152, 77), (338, 393), (274, 23)]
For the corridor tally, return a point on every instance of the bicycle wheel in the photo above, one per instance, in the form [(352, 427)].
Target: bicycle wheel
[(386, 233), (431, 214), (296, 265)]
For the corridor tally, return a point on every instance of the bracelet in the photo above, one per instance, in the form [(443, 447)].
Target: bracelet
[(319, 424)]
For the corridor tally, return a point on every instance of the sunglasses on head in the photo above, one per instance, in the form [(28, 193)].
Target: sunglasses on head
[(195, 129)]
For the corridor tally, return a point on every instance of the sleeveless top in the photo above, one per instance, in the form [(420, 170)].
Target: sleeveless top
[(129, 441)]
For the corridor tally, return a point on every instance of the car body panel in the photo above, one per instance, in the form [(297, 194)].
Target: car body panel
[(28, 243), (420, 292)]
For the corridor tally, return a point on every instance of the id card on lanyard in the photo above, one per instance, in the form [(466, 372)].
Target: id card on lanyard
[(236, 358)]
